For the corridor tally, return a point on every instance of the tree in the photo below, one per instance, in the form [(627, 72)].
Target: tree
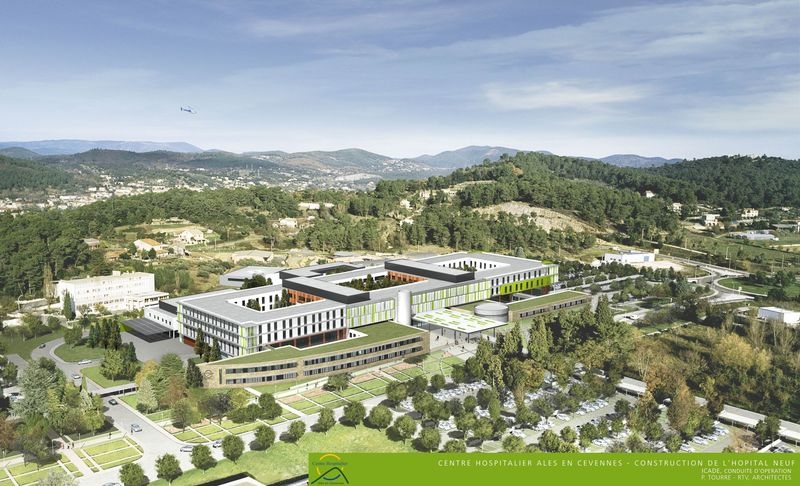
[(483, 429), (200, 346), (455, 445), (338, 381), (569, 435), (175, 391), (429, 439), (465, 422), (202, 458), (232, 447), (396, 391), (380, 417), (326, 420), (265, 437), (513, 444), (132, 474), (73, 335), (168, 468), (405, 427), (147, 397), (58, 477), (7, 434), (549, 441), (40, 376), (417, 384), (296, 430), (354, 413), (194, 379), (216, 405), (622, 408), (437, 382), (184, 413), (113, 364), (767, 429), (214, 354), (270, 409), (68, 307)]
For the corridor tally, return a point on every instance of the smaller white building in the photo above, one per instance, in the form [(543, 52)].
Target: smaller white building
[(677, 207), (629, 256), (115, 292), (649, 194), (287, 223), (711, 219), (788, 317), (147, 244), (749, 213), (192, 237), (236, 278)]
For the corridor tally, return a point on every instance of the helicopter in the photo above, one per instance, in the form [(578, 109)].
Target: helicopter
[(188, 109)]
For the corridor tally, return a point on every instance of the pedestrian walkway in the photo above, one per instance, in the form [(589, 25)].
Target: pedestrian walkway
[(74, 459)]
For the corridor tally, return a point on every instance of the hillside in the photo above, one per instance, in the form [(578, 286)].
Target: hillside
[(20, 174), (465, 156), (637, 161), (740, 181), (19, 153), (69, 146)]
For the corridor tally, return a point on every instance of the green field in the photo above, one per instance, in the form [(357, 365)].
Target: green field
[(23, 347), (93, 373), (284, 460), (77, 353), (734, 284)]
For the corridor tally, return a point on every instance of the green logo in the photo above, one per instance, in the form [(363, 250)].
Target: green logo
[(327, 470)]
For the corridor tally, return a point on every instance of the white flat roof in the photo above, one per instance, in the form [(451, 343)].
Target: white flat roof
[(457, 321)]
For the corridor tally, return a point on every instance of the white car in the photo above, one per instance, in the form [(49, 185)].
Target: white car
[(84, 362)]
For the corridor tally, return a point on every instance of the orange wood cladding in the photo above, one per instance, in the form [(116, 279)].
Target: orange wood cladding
[(403, 277), (297, 297)]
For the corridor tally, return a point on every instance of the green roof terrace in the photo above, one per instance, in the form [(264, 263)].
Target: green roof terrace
[(375, 333)]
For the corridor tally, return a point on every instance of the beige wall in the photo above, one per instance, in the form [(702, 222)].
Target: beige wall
[(214, 375)]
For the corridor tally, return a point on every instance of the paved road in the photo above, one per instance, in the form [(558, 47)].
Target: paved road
[(67, 367)]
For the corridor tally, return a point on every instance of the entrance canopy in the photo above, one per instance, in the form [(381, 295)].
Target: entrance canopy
[(457, 321), (148, 330)]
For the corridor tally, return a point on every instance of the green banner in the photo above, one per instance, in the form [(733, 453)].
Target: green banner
[(364, 469)]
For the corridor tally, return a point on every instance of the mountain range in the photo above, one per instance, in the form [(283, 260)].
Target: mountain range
[(313, 160)]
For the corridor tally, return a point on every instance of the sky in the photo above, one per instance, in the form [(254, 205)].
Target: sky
[(406, 77)]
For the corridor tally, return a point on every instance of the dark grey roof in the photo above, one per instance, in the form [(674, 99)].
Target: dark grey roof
[(429, 270), (326, 290)]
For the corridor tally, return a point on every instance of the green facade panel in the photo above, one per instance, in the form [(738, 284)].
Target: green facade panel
[(530, 284)]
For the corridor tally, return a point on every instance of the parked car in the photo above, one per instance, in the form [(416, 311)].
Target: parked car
[(113, 401), (42, 346), (187, 448), (136, 428), (84, 362), (216, 443), (75, 376)]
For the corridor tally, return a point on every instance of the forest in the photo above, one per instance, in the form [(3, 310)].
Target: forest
[(607, 197), (25, 174)]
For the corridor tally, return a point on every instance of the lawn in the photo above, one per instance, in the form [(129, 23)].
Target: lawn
[(284, 460), (70, 354), (23, 347), (93, 373), (372, 384), (31, 473), (734, 283), (111, 453)]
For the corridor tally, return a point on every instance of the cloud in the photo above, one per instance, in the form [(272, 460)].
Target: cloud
[(555, 94)]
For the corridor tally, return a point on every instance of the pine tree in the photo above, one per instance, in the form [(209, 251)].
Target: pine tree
[(194, 379), (147, 397), (200, 346), (68, 308), (215, 354)]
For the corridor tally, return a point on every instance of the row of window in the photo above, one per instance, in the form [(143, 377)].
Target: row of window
[(362, 362), (550, 308), (260, 379), (257, 369), (359, 352)]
